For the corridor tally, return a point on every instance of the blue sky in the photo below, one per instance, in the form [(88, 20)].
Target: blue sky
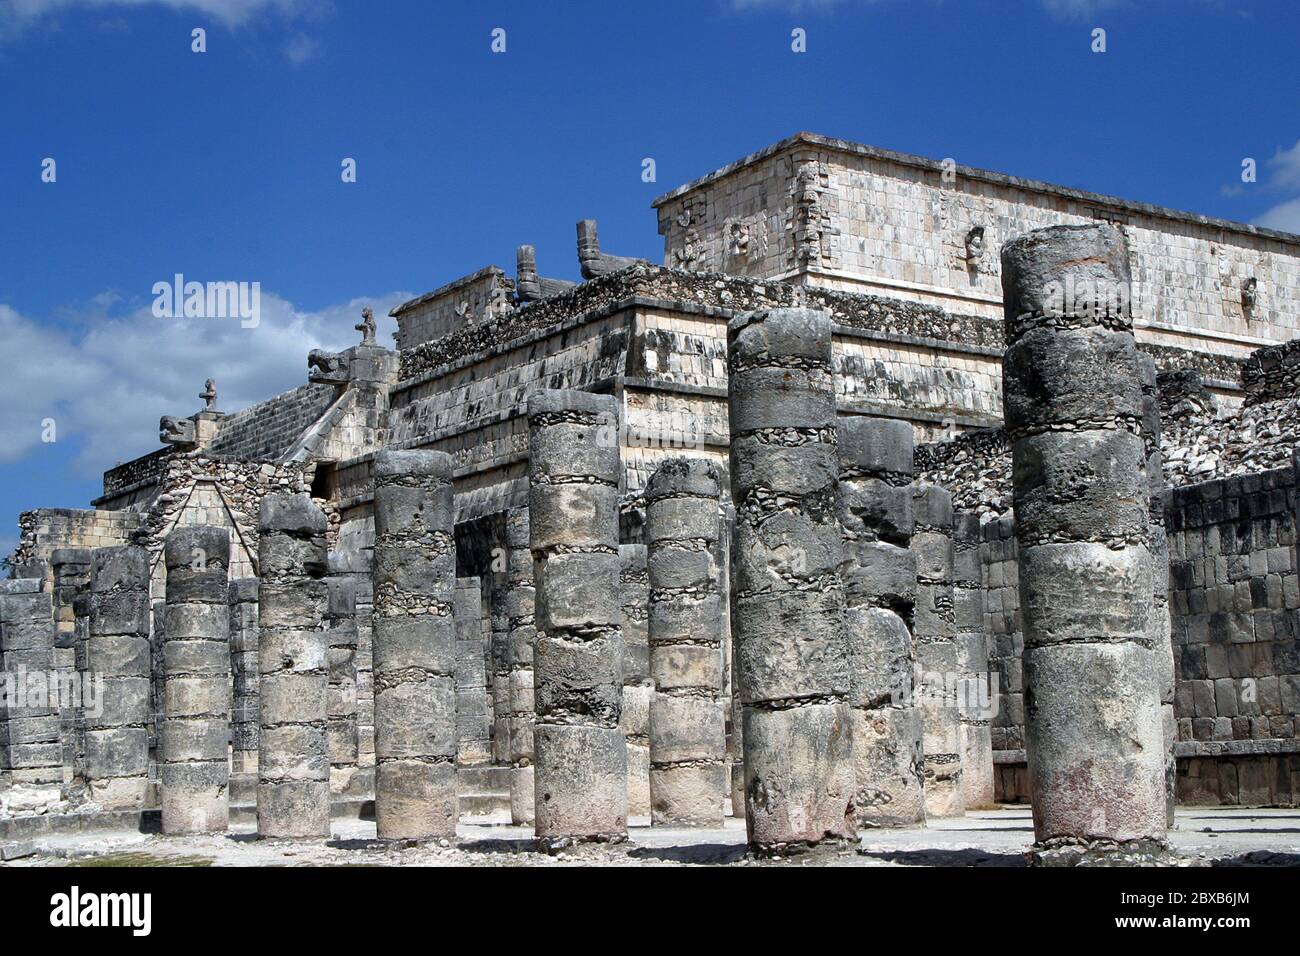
[(225, 165)]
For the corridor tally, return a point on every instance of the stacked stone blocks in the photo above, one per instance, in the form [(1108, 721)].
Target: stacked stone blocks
[(1073, 400), (293, 793), (414, 647), (581, 770), (194, 737), (877, 516), (792, 663), (687, 712)]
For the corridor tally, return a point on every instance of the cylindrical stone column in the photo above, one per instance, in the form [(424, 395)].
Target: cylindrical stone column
[(521, 708), (637, 687), (1160, 621), (473, 743), (415, 646), (876, 513), (30, 747), (687, 717), (293, 790), (117, 738), (244, 728), (71, 570), (341, 631), (787, 615), (1073, 402), (935, 634), (573, 478), (975, 691), (499, 670), (194, 739)]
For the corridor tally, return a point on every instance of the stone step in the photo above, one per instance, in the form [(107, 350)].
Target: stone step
[(483, 804), (485, 779)]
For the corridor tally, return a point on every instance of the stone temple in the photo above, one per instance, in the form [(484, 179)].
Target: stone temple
[(897, 491)]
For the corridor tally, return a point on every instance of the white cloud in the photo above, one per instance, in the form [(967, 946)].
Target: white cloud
[(1284, 216), (231, 13), (1080, 9), (1284, 166), (301, 48), (109, 386)]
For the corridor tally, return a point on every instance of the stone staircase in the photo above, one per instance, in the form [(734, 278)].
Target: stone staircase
[(484, 792)]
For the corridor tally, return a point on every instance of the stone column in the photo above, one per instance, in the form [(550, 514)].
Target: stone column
[(30, 741), (365, 593), (194, 738), (1160, 621), (520, 642), (342, 737), (687, 716), (975, 692), (499, 662), (293, 791), (876, 513), (117, 738), (473, 743), (935, 634), (71, 568), (244, 727), (1073, 407), (573, 477), (637, 686), (415, 647), (789, 556)]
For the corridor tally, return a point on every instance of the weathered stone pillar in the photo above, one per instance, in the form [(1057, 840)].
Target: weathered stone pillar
[(293, 793), (876, 513), (71, 569), (687, 716), (788, 604), (30, 740), (935, 634), (521, 639), (473, 743), (573, 476), (1073, 407), (194, 738), (117, 738), (499, 663), (244, 727), (342, 736), (975, 691), (1160, 621), (415, 646), (637, 686)]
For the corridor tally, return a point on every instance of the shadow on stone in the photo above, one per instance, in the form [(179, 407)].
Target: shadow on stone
[(702, 853), (938, 857)]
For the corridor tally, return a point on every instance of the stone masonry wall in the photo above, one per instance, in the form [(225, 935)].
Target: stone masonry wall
[(850, 216), (1234, 597)]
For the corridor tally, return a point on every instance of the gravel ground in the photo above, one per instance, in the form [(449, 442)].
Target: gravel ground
[(987, 838)]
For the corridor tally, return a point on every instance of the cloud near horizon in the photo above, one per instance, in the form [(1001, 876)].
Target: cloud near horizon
[(230, 13), (108, 386)]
